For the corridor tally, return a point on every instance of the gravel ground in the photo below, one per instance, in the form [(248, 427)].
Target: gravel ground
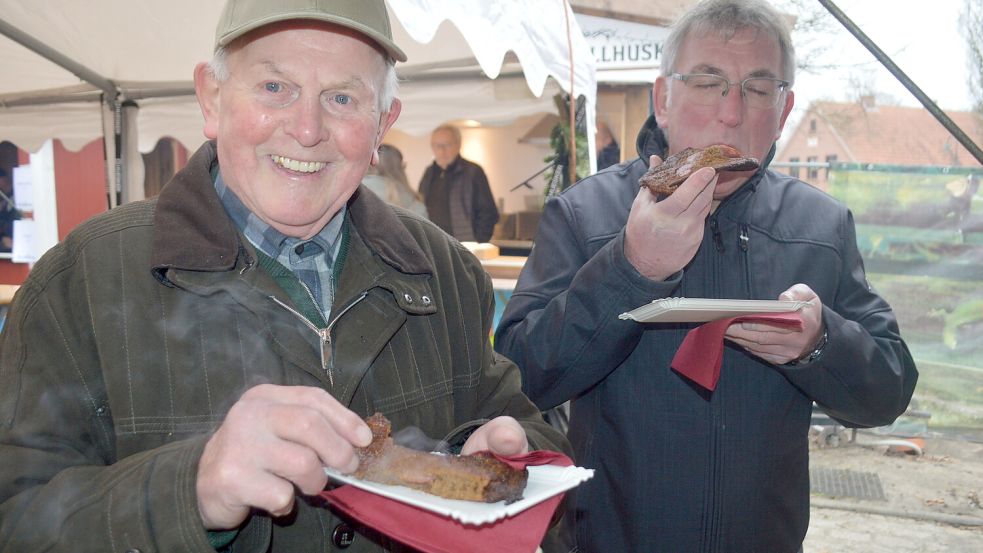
[(932, 501)]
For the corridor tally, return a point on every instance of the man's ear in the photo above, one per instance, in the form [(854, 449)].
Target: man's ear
[(786, 110), (207, 91), (660, 101), (387, 120)]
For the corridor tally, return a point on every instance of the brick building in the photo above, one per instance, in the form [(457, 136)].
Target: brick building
[(864, 132)]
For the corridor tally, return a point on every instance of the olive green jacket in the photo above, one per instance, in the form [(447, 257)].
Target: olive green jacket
[(133, 337)]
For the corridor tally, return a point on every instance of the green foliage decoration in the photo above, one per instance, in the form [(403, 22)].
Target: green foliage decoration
[(560, 142)]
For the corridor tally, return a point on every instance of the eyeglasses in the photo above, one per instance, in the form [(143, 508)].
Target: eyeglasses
[(709, 90)]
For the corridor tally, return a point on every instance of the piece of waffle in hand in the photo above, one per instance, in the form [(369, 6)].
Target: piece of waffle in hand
[(664, 179), (479, 477)]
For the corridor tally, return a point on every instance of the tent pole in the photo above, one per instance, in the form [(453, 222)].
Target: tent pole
[(45, 51), (886, 61), (117, 108), (111, 127), (572, 168), (110, 91)]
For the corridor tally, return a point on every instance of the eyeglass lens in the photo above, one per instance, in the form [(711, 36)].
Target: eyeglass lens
[(711, 89)]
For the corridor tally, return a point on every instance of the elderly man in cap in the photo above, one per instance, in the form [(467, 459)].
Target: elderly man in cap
[(177, 372)]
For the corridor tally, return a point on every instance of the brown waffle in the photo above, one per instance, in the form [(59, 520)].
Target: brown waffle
[(664, 179), (478, 477)]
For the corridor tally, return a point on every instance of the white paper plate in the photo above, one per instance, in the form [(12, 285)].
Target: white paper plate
[(698, 310), (544, 482)]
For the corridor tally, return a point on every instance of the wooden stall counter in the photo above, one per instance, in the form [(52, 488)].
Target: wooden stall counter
[(7, 293), (505, 267), (499, 267)]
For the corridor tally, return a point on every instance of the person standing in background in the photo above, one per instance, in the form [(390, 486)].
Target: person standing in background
[(608, 151), (388, 181), (456, 190)]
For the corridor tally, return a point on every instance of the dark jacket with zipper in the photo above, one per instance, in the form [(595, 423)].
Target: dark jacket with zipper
[(679, 468), (131, 339)]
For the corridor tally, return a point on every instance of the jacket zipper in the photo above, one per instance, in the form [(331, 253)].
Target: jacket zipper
[(744, 241), (712, 536), (323, 334), (718, 240)]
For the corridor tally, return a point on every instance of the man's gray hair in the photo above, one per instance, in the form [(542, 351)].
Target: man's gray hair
[(725, 18), (219, 67)]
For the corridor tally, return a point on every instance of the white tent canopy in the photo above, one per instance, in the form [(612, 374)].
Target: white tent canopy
[(145, 51)]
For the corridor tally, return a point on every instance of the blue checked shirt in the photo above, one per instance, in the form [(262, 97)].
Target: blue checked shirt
[(311, 261)]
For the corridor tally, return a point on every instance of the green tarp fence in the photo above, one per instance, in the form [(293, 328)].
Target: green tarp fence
[(920, 230)]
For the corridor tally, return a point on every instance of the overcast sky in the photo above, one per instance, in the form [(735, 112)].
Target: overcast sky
[(922, 37)]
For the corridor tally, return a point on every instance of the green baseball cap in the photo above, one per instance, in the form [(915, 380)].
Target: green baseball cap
[(367, 17)]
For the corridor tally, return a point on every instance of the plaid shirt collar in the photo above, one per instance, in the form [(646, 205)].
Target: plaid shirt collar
[(311, 260)]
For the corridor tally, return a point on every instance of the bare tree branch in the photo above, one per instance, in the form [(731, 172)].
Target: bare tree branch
[(971, 23)]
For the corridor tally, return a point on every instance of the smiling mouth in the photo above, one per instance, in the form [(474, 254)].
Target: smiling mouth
[(298, 166)]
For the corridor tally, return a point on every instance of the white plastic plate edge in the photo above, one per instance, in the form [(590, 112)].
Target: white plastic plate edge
[(705, 309), (544, 482)]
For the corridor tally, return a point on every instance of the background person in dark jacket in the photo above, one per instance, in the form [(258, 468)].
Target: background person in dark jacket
[(679, 467), (456, 190), (175, 375), (608, 151)]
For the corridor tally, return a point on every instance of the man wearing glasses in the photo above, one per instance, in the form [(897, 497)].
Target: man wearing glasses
[(680, 467)]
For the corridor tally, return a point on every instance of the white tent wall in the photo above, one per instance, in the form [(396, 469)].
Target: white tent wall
[(454, 46)]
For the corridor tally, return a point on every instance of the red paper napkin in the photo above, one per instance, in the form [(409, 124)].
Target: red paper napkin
[(433, 533), (702, 350)]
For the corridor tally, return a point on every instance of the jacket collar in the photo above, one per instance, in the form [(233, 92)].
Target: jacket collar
[(385, 234), (651, 141), (453, 166), (188, 235)]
